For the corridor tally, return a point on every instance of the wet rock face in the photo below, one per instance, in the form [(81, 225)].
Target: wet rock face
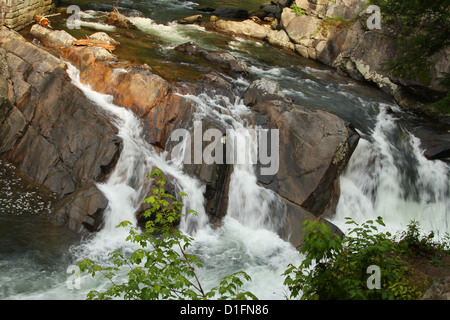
[(135, 87), (57, 137), (50, 130), (82, 210), (223, 58), (314, 148)]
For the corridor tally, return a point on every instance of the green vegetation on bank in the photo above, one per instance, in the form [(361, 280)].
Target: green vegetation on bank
[(424, 28), (334, 267), (298, 11), (338, 268)]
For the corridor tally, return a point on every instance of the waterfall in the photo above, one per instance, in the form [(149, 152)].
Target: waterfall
[(245, 241), (128, 185), (248, 203), (389, 176)]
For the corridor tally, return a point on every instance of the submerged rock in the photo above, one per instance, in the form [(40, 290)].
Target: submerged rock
[(191, 19), (220, 57), (102, 37)]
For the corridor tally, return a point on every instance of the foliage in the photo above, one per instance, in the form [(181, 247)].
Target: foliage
[(161, 268), (443, 105), (413, 243), (336, 268), (424, 31), (328, 23), (333, 267), (298, 11)]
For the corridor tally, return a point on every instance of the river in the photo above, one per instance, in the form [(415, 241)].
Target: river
[(387, 175)]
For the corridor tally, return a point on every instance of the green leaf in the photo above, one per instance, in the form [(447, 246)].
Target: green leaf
[(150, 200)]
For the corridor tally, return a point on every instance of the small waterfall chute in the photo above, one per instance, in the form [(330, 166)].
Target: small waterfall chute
[(389, 176)]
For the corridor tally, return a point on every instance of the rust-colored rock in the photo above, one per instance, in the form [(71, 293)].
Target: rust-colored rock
[(50, 131)]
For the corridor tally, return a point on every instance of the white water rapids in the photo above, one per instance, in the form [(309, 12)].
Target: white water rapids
[(245, 241), (373, 185), (387, 176)]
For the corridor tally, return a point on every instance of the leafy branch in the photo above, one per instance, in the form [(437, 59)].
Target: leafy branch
[(161, 268)]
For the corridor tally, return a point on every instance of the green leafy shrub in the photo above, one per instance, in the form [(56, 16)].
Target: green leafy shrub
[(413, 243), (336, 268), (423, 27), (298, 11), (161, 268)]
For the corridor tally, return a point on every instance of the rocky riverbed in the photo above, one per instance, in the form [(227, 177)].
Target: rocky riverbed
[(65, 144), (56, 137)]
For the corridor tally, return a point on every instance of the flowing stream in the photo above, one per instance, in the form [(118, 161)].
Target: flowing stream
[(387, 176)]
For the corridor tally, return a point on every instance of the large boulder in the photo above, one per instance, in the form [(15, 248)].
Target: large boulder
[(347, 9), (53, 38), (82, 210), (280, 39), (52, 133), (435, 141), (371, 64), (286, 16), (302, 27), (314, 148), (220, 57), (247, 28)]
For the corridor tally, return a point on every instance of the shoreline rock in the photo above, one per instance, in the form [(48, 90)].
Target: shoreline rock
[(307, 179), (51, 132), (351, 48), (220, 57), (315, 147)]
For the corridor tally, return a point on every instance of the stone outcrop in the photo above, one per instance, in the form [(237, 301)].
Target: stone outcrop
[(347, 9), (336, 34), (81, 210), (16, 14), (49, 130), (315, 146), (439, 290), (247, 28), (223, 58)]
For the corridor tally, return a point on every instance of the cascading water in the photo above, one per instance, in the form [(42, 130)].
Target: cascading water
[(246, 239), (250, 204), (127, 186), (389, 176)]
